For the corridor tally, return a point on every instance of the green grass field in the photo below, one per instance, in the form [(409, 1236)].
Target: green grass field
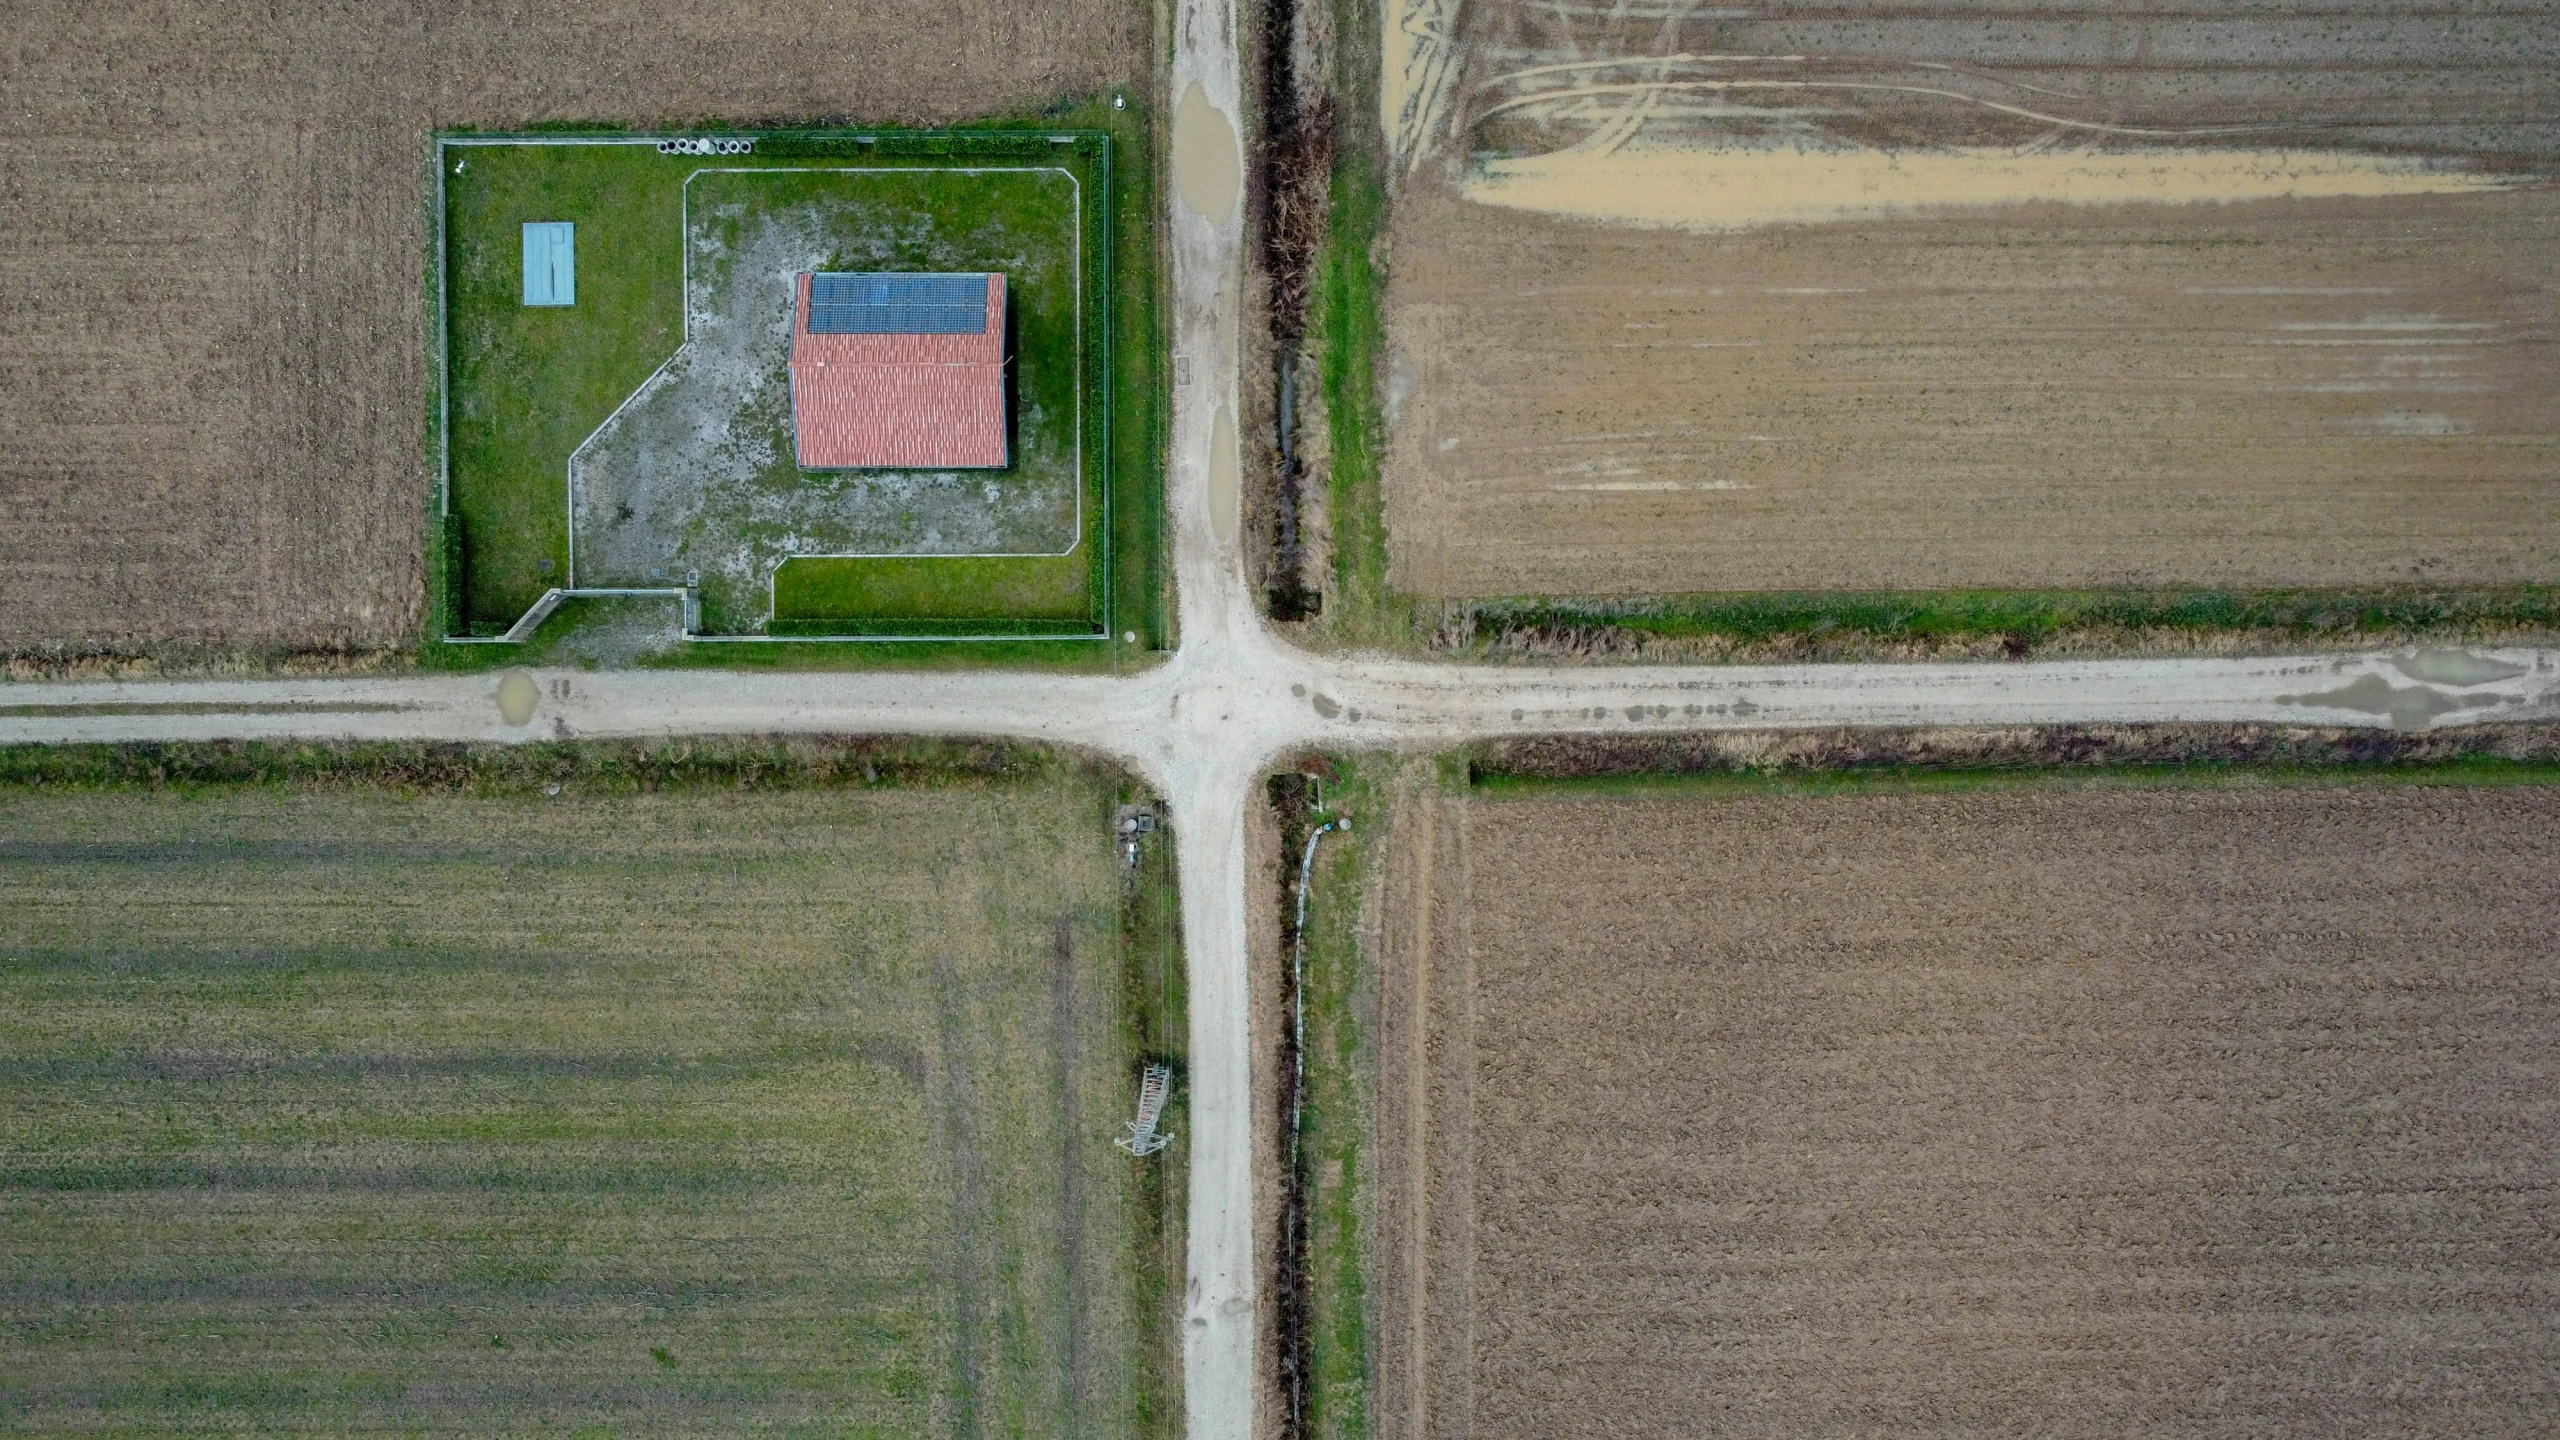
[(761, 1102), (525, 386)]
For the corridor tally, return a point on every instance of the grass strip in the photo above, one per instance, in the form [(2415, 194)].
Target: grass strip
[(1347, 321), (585, 765), (1041, 589), (2024, 619), (1341, 1067), (1930, 762), (1934, 780)]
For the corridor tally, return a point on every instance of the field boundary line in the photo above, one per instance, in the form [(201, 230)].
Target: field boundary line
[(1462, 1400), (1417, 1137)]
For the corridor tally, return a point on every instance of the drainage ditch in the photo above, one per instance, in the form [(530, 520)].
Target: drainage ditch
[(1291, 199)]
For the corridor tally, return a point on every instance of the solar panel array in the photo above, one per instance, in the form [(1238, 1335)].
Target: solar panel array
[(898, 304)]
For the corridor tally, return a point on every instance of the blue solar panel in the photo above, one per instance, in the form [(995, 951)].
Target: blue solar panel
[(898, 304)]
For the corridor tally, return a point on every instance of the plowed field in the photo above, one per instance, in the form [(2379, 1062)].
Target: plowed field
[(2092, 1111), (213, 252), (1977, 297)]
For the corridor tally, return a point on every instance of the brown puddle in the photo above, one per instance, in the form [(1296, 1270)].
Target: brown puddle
[(1207, 167), (518, 694), (1225, 484)]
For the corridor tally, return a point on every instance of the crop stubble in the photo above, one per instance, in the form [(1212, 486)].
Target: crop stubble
[(694, 1112), (2089, 1111), (213, 250), (2039, 395)]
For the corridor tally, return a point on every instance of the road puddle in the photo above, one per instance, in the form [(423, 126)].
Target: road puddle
[(518, 694), (2409, 707), (1226, 498), (2453, 667), (1208, 169)]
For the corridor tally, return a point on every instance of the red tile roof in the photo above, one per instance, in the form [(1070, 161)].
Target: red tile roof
[(921, 402)]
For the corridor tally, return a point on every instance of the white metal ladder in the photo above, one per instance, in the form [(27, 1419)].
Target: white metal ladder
[(1143, 1137)]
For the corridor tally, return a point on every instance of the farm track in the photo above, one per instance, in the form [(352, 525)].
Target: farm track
[(1203, 726)]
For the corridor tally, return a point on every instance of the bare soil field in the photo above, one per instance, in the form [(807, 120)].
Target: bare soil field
[(331, 1108), (1883, 299), (2096, 1110), (213, 254)]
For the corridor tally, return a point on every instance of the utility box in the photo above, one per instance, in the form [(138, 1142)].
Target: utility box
[(550, 262)]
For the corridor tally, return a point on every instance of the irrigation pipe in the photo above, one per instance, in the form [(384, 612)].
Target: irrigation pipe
[(1298, 992), (1293, 1356)]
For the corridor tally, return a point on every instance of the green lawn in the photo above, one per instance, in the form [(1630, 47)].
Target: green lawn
[(762, 1101), (977, 595), (527, 386)]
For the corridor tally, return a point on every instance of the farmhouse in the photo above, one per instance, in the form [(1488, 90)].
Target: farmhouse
[(898, 371)]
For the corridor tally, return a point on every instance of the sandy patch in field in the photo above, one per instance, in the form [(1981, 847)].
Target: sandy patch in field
[(1738, 187), (2168, 1111), (1418, 73)]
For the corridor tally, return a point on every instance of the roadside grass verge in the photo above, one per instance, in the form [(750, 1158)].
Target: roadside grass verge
[(762, 1086), (604, 767), (1336, 1177), (2015, 624), (1349, 324), (1938, 761)]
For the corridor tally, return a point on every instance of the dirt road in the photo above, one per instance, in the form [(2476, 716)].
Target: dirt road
[(1217, 710)]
